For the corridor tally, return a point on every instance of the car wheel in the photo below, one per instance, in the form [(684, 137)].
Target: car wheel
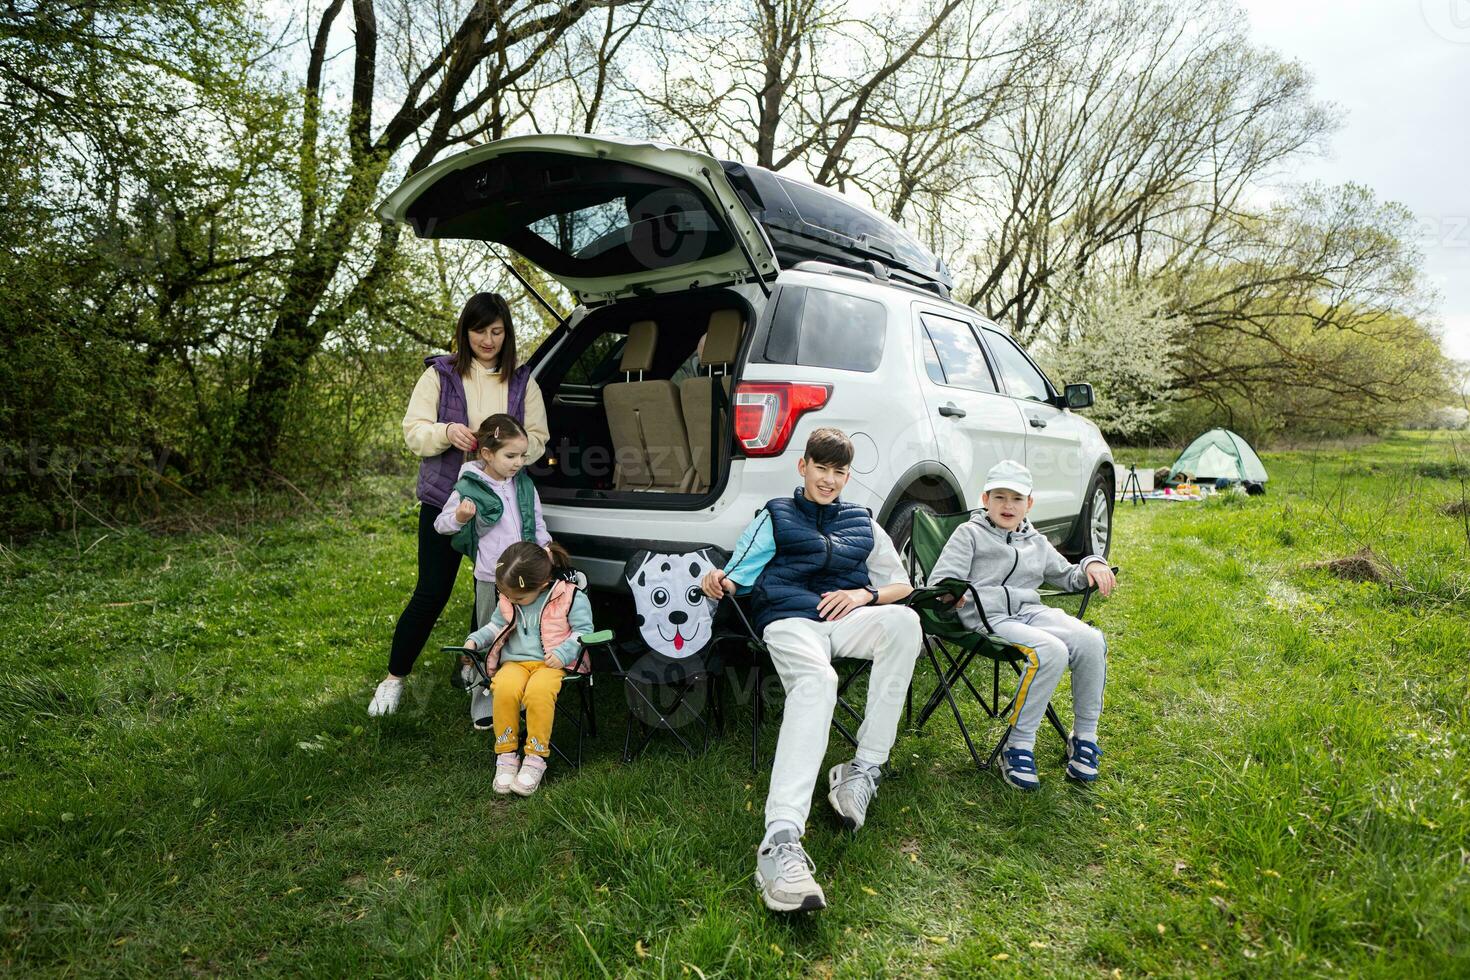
[(1097, 519), (900, 528)]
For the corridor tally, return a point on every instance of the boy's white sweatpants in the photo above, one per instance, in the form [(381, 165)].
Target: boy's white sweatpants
[(1058, 641), (802, 651)]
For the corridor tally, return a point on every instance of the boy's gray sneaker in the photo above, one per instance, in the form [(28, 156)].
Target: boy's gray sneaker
[(482, 707), (783, 872), (851, 789)]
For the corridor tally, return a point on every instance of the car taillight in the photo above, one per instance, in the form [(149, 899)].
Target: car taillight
[(766, 412)]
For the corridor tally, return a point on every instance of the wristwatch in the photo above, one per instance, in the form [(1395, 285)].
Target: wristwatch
[(872, 592)]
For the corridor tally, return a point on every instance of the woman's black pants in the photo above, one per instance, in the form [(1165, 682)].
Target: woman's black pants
[(438, 567)]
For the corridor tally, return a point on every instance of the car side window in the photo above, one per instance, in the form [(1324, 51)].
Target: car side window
[(959, 360), (931, 358), (1020, 375)]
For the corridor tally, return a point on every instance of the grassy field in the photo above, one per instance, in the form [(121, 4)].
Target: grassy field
[(189, 782)]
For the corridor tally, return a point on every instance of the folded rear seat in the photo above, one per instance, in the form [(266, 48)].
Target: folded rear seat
[(696, 395), (650, 446)]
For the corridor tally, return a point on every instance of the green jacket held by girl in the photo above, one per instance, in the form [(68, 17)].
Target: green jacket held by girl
[(488, 510)]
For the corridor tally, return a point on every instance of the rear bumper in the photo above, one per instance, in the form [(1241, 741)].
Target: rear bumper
[(602, 539)]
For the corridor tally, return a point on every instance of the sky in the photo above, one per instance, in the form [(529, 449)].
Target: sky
[(1399, 72)]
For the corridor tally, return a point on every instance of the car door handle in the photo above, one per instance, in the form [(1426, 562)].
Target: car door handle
[(1037, 423), (951, 411)]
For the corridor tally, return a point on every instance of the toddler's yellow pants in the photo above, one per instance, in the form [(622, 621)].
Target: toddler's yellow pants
[(534, 684)]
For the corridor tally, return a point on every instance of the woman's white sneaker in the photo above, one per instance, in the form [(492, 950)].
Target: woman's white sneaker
[(386, 697)]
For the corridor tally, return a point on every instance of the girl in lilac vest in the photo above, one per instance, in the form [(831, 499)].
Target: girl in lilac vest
[(453, 396), (493, 505)]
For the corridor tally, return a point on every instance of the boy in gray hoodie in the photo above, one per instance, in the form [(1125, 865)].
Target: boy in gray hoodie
[(1006, 560)]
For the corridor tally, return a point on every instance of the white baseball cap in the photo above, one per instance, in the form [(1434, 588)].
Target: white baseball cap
[(1009, 475)]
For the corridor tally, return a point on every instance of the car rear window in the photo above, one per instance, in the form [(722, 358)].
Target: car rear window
[(822, 328)]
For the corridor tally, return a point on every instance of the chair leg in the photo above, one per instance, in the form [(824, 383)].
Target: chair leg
[(755, 722), (628, 736), (955, 672), (663, 723), (1056, 723), (1051, 711), (949, 696), (990, 760)]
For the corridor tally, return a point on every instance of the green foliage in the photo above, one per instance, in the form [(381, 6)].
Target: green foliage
[(189, 780)]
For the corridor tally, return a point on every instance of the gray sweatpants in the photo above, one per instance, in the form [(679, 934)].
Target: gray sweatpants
[(480, 702), (1056, 641)]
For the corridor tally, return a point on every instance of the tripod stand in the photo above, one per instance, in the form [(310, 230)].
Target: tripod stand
[(1132, 489)]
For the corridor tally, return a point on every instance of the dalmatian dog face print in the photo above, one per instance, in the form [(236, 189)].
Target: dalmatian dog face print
[(675, 617)]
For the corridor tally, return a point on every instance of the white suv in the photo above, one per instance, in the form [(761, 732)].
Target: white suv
[(810, 310)]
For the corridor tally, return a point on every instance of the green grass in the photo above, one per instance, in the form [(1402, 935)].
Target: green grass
[(190, 784)]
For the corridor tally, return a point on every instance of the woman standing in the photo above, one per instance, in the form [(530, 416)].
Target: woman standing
[(453, 395)]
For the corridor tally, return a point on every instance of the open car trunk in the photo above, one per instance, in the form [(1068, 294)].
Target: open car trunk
[(660, 437), (608, 218), (649, 239)]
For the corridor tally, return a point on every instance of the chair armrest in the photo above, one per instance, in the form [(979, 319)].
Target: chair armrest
[(601, 638), (748, 629), (1051, 593), (476, 661), (934, 596), (1086, 594), (941, 597)]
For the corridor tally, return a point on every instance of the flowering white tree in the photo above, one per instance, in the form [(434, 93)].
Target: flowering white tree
[(1122, 341)]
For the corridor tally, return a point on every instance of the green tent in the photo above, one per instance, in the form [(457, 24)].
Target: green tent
[(1219, 454)]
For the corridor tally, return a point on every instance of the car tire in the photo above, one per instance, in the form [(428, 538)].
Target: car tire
[(1096, 521), (900, 528)]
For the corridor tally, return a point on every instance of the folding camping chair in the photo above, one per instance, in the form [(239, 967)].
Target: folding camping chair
[(582, 717), (670, 670), (943, 631), (849, 670), (661, 693)]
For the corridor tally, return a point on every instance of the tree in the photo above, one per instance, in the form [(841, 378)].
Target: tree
[(459, 72), (1125, 343), (780, 82)]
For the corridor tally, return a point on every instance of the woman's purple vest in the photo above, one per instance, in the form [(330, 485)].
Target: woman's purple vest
[(437, 474)]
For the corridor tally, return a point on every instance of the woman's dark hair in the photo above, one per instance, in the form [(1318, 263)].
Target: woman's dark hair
[(481, 310), (494, 432), (526, 566)]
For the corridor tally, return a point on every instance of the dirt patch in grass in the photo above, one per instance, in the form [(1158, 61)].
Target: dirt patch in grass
[(1361, 566)]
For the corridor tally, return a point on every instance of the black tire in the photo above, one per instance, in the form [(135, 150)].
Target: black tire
[(1089, 527), (900, 528)]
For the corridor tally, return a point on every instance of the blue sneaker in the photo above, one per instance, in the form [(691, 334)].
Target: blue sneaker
[(1082, 759), (1018, 769)]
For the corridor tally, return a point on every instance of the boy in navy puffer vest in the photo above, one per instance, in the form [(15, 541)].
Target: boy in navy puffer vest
[(825, 577)]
